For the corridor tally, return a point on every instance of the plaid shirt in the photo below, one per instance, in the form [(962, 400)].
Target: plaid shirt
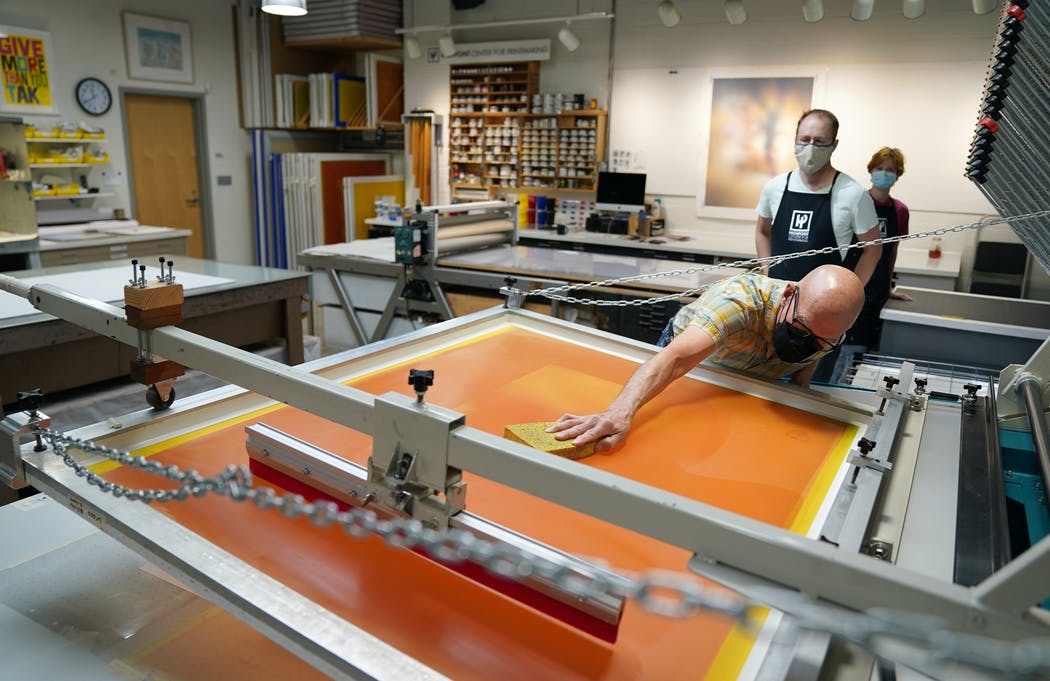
[(739, 314)]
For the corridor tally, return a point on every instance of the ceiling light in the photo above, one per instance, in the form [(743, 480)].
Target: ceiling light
[(568, 37), (413, 50), (736, 13), (913, 9), (285, 8), (668, 13), (447, 45), (861, 9), (985, 6), (813, 10)]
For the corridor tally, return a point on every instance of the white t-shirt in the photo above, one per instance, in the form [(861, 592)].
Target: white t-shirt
[(852, 210)]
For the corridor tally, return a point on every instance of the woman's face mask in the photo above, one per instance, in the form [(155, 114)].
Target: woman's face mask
[(883, 179), (794, 345), (812, 158)]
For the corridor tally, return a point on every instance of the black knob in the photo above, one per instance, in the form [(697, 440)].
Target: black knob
[(920, 383), (891, 381), (31, 400), (971, 389), (865, 445), (420, 379)]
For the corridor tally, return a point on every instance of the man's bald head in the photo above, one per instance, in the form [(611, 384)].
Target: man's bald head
[(830, 300)]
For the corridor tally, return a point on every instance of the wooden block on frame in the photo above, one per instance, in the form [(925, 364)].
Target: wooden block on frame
[(155, 318), (156, 294), (155, 372)]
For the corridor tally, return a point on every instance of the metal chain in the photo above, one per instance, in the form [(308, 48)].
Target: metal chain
[(753, 264), (660, 592)]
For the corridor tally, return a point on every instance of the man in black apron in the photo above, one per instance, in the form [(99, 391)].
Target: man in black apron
[(805, 221)]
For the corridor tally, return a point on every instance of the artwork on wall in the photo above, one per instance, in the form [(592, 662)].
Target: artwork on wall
[(25, 67), (158, 49), (750, 138)]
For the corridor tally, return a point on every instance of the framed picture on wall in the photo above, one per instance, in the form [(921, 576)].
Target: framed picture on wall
[(26, 71), (158, 49), (750, 135)]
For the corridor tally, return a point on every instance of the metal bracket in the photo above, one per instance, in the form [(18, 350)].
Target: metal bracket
[(12, 467), (408, 469)]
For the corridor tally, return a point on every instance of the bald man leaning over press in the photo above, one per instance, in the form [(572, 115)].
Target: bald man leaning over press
[(768, 327)]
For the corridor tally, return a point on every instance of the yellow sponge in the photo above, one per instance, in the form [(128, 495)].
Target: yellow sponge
[(533, 435)]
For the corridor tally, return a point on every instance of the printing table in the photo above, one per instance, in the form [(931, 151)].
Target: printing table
[(251, 305)]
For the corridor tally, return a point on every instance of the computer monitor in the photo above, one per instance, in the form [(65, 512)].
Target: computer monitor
[(620, 192)]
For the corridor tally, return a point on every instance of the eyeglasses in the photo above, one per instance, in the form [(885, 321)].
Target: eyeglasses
[(815, 141), (803, 329)]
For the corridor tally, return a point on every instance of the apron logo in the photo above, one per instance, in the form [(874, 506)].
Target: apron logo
[(882, 226), (798, 230)]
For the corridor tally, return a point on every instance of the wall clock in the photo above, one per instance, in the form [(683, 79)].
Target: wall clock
[(93, 96)]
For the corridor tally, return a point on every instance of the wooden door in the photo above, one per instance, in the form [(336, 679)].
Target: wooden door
[(162, 143)]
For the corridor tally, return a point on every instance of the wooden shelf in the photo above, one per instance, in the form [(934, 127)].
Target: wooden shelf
[(65, 165), (65, 140), (73, 197)]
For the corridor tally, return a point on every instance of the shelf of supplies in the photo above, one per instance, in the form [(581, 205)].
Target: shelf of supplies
[(66, 140), (64, 165), (73, 197)]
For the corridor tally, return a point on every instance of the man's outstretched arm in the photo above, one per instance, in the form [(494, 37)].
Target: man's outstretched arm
[(610, 427)]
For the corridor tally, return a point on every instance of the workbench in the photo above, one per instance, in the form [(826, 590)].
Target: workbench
[(109, 240), (240, 305)]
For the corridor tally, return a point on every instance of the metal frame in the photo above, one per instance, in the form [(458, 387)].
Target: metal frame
[(999, 607)]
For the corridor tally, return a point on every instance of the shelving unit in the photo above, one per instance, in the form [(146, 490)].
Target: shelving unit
[(66, 172), (495, 143), (18, 225)]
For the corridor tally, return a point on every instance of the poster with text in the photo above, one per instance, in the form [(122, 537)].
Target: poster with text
[(25, 61)]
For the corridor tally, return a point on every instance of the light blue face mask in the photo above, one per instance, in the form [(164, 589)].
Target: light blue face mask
[(883, 179)]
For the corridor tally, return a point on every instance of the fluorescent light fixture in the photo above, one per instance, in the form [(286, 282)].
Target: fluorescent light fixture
[(861, 9), (913, 9), (813, 10), (568, 37), (736, 13), (285, 8), (985, 6), (668, 13), (447, 45), (413, 50)]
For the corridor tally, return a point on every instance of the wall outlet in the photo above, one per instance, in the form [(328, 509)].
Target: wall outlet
[(112, 178)]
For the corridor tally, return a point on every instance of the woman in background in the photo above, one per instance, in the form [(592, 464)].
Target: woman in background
[(886, 166)]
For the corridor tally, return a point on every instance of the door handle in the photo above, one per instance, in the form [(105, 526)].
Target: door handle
[(193, 200)]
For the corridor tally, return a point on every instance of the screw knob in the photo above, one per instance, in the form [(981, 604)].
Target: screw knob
[(31, 400), (865, 445), (891, 381), (420, 380)]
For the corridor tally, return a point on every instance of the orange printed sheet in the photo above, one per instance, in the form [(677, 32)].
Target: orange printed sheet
[(748, 455)]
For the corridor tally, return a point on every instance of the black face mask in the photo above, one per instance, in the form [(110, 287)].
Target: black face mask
[(793, 345)]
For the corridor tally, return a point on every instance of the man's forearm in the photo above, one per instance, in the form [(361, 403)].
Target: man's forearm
[(866, 265)]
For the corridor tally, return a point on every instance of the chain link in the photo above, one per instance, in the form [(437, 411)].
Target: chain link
[(752, 264), (660, 592)]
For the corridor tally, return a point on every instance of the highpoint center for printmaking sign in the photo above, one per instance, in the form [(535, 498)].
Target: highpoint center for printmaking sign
[(502, 51), (25, 61)]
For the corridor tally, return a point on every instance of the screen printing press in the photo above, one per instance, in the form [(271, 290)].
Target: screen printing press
[(846, 514)]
